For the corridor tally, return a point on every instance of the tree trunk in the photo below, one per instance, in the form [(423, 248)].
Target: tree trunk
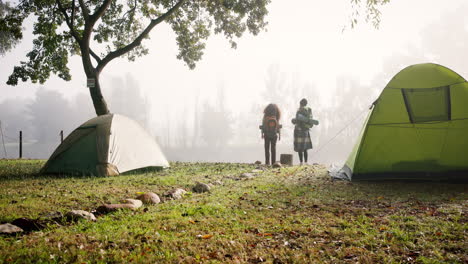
[(100, 105)]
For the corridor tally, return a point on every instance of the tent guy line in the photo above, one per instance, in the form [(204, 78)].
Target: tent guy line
[(321, 147)]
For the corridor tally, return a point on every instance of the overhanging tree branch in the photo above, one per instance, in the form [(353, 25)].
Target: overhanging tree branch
[(119, 52), (90, 20), (73, 15), (95, 56), (99, 12), (70, 25), (67, 20), (130, 12), (84, 9)]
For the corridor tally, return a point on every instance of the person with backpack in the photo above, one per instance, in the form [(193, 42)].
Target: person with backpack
[(302, 123), (270, 129)]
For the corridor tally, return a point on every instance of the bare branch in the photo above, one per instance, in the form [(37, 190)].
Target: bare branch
[(119, 52)]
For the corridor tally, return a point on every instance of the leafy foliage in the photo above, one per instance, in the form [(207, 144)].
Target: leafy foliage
[(117, 28), (10, 31), (371, 10)]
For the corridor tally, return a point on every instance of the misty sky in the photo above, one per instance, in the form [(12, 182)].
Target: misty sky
[(305, 39)]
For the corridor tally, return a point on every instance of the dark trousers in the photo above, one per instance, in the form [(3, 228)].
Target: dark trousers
[(303, 154), (270, 144)]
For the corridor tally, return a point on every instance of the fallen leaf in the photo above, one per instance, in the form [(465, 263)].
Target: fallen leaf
[(207, 236), (264, 234)]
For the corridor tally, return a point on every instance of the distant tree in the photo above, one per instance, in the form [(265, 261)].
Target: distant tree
[(183, 129), (82, 27), (435, 39), (126, 98), (13, 117), (49, 113), (196, 120), (216, 122), (10, 31)]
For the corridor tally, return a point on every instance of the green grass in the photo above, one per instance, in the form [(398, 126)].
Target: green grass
[(293, 215)]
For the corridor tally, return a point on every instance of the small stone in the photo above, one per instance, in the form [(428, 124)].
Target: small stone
[(246, 175), (258, 162), (230, 177), (9, 229), (277, 165), (28, 225), (109, 208), (201, 187), (75, 215), (136, 203), (175, 194), (218, 182), (149, 198), (54, 216)]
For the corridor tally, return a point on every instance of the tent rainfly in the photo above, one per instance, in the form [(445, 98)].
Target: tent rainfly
[(417, 129), (106, 145)]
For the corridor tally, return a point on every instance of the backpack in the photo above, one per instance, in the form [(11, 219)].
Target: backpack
[(270, 126)]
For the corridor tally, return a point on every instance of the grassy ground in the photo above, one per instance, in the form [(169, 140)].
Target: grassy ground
[(289, 215)]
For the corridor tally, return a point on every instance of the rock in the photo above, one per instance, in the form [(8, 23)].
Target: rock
[(246, 175), (28, 225), (175, 194), (277, 165), (109, 208), (258, 162), (149, 198), (9, 229), (75, 215), (218, 182), (201, 187), (53, 216), (229, 177), (136, 203)]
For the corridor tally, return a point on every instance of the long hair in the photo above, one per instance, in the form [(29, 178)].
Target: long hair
[(272, 110)]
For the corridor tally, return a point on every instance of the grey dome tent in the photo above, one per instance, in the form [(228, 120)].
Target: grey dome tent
[(105, 145), (417, 129)]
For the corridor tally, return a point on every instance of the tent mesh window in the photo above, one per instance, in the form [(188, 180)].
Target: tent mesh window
[(427, 104)]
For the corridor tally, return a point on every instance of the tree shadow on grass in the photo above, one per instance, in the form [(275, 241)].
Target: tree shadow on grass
[(411, 190), (30, 169)]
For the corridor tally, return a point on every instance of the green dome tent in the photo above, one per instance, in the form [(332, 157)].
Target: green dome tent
[(417, 129), (106, 145)]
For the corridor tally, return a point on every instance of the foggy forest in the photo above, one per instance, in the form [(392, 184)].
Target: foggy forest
[(212, 127)]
